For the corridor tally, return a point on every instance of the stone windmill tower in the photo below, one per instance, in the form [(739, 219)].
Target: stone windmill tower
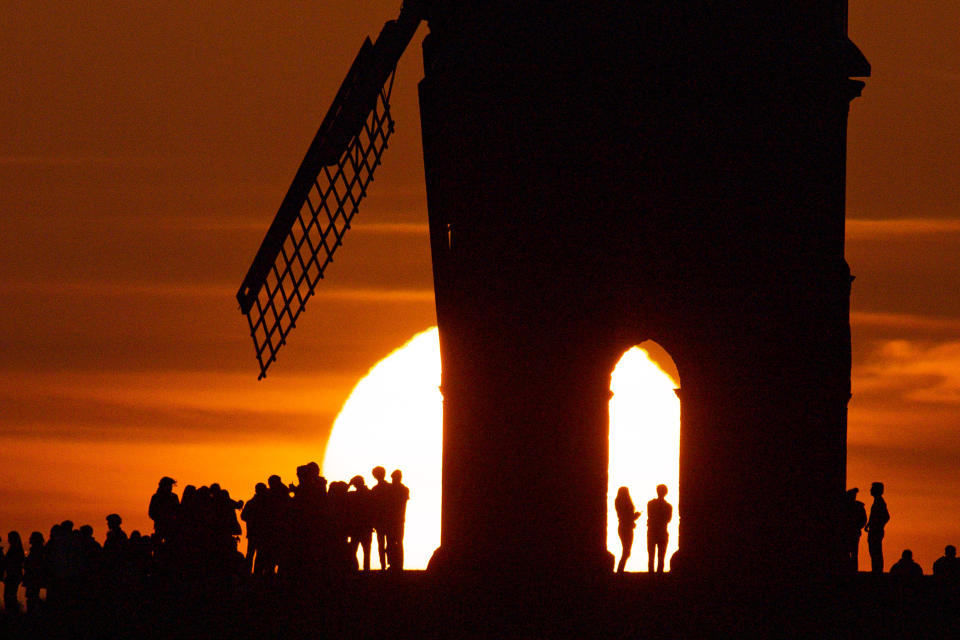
[(598, 174)]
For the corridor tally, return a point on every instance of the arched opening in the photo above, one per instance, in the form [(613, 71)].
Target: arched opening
[(644, 443)]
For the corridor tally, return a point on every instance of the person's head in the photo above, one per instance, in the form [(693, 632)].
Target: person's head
[(907, 554), (166, 483), (379, 473), (357, 481), (950, 551), (852, 494), (113, 521), (397, 475), (66, 526), (623, 492), (876, 489), (36, 539), (274, 482), (338, 488), (661, 490), (86, 531), (260, 488), (13, 539)]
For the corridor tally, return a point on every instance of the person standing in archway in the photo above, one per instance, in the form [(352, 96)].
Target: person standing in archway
[(626, 523), (659, 514)]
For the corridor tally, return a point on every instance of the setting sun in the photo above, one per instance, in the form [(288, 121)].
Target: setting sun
[(393, 418)]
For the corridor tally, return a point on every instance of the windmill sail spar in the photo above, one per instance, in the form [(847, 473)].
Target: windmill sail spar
[(325, 193)]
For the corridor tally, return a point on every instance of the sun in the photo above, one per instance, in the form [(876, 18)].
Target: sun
[(394, 419)]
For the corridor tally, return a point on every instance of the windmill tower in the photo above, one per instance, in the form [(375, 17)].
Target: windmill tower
[(599, 174)]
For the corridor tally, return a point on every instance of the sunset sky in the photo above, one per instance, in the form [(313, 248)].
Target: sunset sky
[(144, 148)]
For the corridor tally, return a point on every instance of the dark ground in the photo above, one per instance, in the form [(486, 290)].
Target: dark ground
[(417, 605)]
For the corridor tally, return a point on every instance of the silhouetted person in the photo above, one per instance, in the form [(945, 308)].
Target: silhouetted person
[(947, 567), (309, 522), (361, 521), (33, 572), (879, 517), (626, 523), (13, 561), (277, 528), (396, 514), (379, 505), (659, 514), (255, 514), (116, 541), (164, 509), (854, 519), (906, 567)]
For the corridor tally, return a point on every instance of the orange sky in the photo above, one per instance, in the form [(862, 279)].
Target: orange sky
[(146, 146)]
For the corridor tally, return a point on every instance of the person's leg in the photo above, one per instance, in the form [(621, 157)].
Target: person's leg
[(661, 552), (626, 542), (651, 549), (382, 548), (875, 546), (365, 545), (395, 549)]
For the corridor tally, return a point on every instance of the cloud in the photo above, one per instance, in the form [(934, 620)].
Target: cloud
[(184, 406), (186, 290), (922, 373), (861, 229), (900, 321)]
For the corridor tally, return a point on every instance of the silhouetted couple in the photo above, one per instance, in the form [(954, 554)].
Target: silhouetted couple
[(856, 520), (389, 503), (659, 514)]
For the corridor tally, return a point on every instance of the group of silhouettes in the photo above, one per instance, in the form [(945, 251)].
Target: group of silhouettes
[(299, 531), (659, 514), (318, 528)]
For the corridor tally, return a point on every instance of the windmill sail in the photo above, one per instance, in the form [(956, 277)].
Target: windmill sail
[(325, 194)]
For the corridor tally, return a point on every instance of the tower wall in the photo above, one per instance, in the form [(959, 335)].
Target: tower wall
[(605, 174)]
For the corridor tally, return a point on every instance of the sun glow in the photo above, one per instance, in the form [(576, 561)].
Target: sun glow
[(394, 418)]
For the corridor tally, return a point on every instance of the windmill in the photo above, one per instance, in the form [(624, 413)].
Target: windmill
[(599, 174)]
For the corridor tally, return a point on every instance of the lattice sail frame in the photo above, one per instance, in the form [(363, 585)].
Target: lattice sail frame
[(316, 233)]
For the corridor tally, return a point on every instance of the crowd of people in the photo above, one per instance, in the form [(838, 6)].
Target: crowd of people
[(314, 530), (298, 531)]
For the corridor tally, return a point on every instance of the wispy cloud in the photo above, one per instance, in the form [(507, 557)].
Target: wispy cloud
[(186, 406), (904, 321), (223, 291), (862, 229), (918, 372)]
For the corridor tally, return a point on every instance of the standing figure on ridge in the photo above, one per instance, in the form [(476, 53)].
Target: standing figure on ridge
[(361, 523), (879, 517), (396, 518), (164, 510), (854, 519), (255, 515), (378, 508), (12, 572), (659, 514), (626, 523), (34, 569)]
